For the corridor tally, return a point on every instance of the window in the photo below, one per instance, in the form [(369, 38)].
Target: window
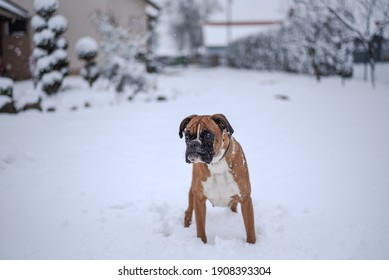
[(17, 26), (385, 45)]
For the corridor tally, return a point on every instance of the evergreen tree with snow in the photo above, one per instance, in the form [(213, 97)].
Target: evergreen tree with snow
[(87, 49), (49, 59)]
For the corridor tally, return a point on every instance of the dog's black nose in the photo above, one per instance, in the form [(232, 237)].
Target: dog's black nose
[(194, 144)]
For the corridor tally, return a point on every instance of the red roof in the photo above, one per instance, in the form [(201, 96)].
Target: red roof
[(243, 23)]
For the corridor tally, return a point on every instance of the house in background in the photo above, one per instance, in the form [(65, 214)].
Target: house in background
[(217, 36), (381, 50), (15, 43), (138, 14)]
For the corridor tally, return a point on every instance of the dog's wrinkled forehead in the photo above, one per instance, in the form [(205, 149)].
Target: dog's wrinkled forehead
[(198, 124)]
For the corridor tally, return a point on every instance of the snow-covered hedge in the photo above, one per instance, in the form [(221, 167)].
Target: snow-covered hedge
[(6, 101), (291, 49)]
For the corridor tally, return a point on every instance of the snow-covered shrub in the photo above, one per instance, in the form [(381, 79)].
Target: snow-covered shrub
[(121, 47), (49, 54), (6, 101), (123, 74), (6, 86), (87, 49), (45, 8), (51, 82)]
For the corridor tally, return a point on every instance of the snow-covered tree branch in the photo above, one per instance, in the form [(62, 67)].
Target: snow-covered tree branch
[(186, 22)]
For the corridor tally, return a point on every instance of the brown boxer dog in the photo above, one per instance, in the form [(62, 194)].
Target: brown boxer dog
[(220, 172)]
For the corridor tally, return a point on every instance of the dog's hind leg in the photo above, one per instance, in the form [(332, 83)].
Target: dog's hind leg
[(234, 203), (189, 211), (248, 218), (233, 206)]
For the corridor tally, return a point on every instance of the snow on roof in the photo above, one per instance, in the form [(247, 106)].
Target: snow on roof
[(13, 9)]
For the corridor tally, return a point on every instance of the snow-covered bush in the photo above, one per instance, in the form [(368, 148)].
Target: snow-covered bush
[(49, 57), (87, 49), (6, 86), (6, 101), (51, 82), (121, 47)]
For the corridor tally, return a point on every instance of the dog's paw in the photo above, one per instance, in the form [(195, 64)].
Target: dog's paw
[(188, 218), (187, 221)]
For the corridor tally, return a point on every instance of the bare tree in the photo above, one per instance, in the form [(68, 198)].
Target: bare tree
[(369, 19), (327, 43)]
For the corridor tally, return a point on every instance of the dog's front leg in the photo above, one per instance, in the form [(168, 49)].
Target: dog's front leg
[(200, 213), (248, 218)]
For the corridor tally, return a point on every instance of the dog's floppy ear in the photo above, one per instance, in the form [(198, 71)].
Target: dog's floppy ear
[(223, 123), (184, 123)]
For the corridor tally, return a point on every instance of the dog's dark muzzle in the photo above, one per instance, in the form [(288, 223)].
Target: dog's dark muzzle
[(195, 152)]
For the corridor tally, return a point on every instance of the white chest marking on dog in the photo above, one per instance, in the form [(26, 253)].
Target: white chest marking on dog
[(220, 187)]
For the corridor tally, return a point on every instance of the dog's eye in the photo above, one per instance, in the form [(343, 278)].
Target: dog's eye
[(207, 136), (187, 137)]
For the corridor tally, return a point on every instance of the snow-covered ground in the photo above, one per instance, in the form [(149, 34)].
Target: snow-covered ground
[(111, 182)]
